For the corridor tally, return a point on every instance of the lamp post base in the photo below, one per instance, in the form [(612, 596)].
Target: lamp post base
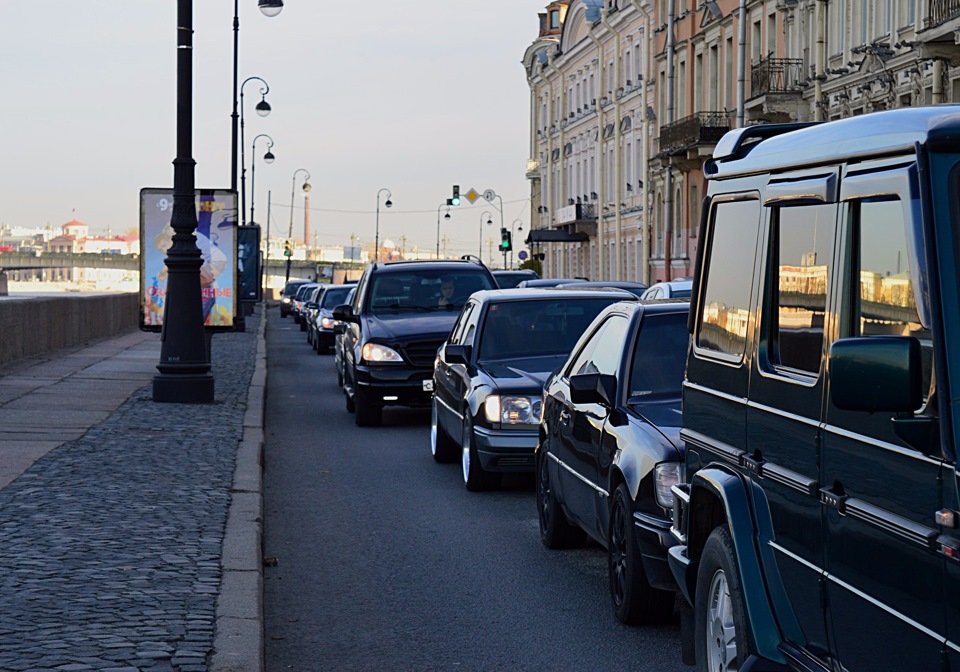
[(183, 389)]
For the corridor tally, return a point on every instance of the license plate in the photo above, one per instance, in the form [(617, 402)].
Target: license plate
[(428, 386)]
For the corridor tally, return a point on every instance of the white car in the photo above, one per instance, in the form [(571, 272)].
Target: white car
[(675, 289)]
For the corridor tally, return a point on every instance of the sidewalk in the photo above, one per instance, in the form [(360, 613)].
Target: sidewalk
[(131, 530)]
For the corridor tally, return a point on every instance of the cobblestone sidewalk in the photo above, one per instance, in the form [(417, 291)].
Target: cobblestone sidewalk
[(111, 543)]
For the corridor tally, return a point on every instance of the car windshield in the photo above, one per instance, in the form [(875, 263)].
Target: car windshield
[(681, 294), (302, 292), (335, 296), (511, 280), (425, 290), (659, 357), (517, 329), (291, 288)]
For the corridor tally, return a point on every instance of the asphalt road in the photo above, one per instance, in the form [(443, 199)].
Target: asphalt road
[(386, 562)]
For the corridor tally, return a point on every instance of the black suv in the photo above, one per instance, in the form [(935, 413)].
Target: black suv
[(401, 314)]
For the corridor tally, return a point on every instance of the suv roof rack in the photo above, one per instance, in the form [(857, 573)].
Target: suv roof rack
[(736, 143), (473, 258)]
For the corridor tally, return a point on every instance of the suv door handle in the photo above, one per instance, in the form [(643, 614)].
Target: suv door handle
[(833, 499)]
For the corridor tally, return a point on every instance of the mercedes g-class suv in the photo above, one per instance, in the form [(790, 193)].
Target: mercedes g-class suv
[(818, 526)]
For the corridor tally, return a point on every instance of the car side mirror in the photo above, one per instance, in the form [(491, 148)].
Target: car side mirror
[(344, 313), (311, 305), (457, 354), (593, 388), (878, 373)]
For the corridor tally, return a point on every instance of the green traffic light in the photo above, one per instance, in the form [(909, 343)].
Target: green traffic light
[(455, 200)]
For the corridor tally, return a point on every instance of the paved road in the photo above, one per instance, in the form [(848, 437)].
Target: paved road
[(386, 562)]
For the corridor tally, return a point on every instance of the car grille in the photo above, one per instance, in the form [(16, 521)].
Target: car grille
[(516, 461), (423, 353)]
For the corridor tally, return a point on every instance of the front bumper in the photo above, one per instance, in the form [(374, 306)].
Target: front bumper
[(506, 449), (396, 386), (655, 542), (324, 338)]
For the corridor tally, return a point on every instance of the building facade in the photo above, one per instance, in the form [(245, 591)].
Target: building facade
[(628, 98)]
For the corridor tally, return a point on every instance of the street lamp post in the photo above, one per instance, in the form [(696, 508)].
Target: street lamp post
[(184, 365), (446, 216), (293, 193), (263, 109), (388, 203), (512, 244), (486, 213), (268, 158), (268, 8)]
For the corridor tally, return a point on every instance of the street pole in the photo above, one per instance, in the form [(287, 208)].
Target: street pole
[(266, 256), (263, 109), (267, 158), (184, 366), (388, 203), (293, 195)]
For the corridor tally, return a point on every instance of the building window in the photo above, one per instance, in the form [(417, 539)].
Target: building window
[(555, 18)]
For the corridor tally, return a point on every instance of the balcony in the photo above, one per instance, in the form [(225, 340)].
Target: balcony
[(777, 75), (942, 11), (695, 136)]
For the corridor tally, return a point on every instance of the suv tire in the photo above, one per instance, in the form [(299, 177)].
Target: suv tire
[(635, 601), (367, 414), (444, 449), (719, 613), (555, 530)]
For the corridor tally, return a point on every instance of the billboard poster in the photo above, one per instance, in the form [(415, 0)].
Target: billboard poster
[(217, 240), (248, 262)]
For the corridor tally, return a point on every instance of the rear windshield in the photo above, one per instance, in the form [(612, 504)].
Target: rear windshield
[(302, 291), (659, 357), (291, 288), (335, 296), (511, 280), (425, 290), (517, 329), (681, 293)]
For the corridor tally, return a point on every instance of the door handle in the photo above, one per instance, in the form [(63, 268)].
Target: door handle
[(833, 499), (564, 416)]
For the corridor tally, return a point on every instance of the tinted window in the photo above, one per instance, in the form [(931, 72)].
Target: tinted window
[(511, 280), (302, 291), (803, 242), (335, 296), (728, 268), (659, 356), (885, 304), (424, 289), (537, 327), (602, 353), (681, 293)]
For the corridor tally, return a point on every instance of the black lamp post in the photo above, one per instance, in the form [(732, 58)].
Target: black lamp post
[(268, 8), (184, 365), (263, 109), (486, 213), (267, 158), (376, 244), (446, 216), (512, 243)]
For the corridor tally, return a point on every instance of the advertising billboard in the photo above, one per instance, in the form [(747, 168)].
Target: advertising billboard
[(248, 262), (217, 239)]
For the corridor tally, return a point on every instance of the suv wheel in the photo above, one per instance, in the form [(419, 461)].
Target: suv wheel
[(635, 601), (555, 530), (475, 477), (443, 448), (367, 414), (720, 633)]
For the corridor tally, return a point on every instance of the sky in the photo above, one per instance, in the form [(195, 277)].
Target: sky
[(412, 97)]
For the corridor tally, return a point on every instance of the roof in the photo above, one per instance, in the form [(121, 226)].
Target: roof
[(449, 264), (753, 150), (75, 223), (547, 293)]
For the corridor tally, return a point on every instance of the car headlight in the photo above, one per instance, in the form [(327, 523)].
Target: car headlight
[(666, 475), (512, 410), (327, 323), (286, 299), (376, 353)]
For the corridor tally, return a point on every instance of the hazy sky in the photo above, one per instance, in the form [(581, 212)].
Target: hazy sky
[(410, 96)]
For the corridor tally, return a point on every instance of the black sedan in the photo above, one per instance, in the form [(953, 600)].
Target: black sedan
[(610, 450), (489, 375)]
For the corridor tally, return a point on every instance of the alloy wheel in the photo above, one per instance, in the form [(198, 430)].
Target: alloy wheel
[(721, 632)]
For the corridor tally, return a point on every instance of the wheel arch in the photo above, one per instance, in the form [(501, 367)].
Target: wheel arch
[(722, 497)]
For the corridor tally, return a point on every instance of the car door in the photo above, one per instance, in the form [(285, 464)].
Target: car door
[(786, 394), (885, 589), (581, 428), (449, 384)]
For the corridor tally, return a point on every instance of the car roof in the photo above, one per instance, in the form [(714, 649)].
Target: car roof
[(652, 307), (441, 264), (532, 293), (522, 271), (604, 283)]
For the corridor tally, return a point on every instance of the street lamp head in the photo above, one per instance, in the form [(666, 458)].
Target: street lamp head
[(447, 216), (270, 7), (389, 203), (263, 108), (269, 157), (307, 186), (489, 221)]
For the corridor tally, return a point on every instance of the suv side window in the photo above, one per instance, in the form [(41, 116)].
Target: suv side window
[(725, 308), (458, 329), (802, 241), (602, 353)]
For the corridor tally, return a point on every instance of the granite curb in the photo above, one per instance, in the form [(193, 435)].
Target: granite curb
[(238, 643)]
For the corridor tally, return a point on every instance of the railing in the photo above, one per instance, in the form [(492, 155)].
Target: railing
[(702, 128), (942, 11), (776, 75)]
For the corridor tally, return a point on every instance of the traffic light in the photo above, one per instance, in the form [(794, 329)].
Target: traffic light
[(506, 242), (456, 196), (287, 249), (540, 256)]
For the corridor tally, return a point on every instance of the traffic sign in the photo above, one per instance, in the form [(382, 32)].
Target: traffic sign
[(490, 194), (472, 196), (522, 255)]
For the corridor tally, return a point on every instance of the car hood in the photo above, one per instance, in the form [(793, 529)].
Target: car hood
[(664, 414), (403, 326), (526, 373)]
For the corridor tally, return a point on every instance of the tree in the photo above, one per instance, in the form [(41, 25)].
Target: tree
[(534, 265)]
